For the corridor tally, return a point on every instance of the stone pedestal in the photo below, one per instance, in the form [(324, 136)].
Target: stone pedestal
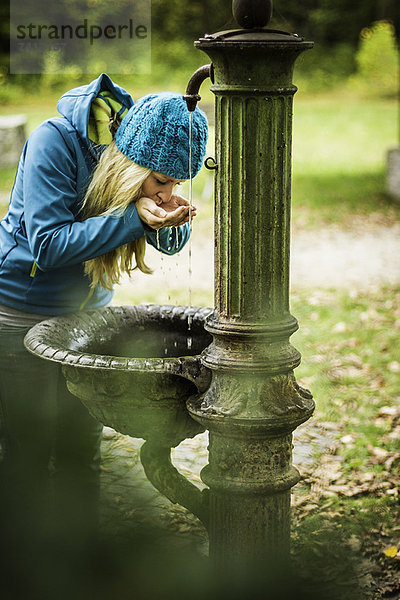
[(393, 173), (12, 139)]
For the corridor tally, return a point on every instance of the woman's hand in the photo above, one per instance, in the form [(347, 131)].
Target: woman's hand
[(157, 214)]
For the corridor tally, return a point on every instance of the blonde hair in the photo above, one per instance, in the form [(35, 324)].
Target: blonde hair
[(116, 183)]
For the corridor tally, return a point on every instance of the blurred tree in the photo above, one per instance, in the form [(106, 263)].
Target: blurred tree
[(4, 32), (377, 60), (325, 21), (176, 23), (334, 21), (189, 20)]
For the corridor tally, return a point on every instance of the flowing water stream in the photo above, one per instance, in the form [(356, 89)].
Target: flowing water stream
[(189, 322), (190, 227)]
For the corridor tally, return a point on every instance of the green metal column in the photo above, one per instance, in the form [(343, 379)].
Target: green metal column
[(254, 402)]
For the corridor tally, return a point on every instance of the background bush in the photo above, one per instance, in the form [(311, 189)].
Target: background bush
[(377, 60)]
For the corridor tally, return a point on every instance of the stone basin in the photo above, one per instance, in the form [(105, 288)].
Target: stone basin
[(134, 367)]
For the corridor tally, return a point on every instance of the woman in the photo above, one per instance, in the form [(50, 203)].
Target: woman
[(82, 209)]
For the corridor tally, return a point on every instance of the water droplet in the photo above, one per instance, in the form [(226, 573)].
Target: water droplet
[(165, 351), (189, 343), (158, 239)]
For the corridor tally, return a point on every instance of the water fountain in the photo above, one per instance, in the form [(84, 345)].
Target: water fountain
[(237, 377)]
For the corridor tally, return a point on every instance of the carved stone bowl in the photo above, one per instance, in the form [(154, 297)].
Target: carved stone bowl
[(134, 367)]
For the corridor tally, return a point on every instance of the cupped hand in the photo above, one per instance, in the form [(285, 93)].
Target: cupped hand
[(157, 214)]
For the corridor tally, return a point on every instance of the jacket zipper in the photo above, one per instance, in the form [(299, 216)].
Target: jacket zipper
[(33, 270)]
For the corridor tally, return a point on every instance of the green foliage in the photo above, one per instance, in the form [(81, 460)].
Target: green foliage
[(327, 22), (173, 63), (333, 133), (175, 19), (7, 176), (333, 25), (324, 67), (377, 60)]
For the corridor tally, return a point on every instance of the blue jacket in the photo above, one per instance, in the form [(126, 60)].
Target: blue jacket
[(43, 244)]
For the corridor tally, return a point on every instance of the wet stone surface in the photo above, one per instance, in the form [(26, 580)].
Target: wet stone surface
[(131, 506)]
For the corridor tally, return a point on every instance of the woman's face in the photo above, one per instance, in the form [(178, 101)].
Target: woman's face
[(159, 187)]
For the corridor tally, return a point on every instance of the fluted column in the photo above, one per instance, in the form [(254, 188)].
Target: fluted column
[(253, 403), (253, 207)]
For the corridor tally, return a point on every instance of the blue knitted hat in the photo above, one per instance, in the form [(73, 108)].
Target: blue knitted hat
[(155, 134)]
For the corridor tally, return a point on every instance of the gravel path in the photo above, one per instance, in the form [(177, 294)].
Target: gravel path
[(333, 258), (368, 254), (328, 258)]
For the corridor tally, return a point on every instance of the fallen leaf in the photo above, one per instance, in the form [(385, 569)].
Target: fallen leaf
[(347, 439), (391, 552), (391, 460), (388, 411), (395, 434), (346, 490), (394, 366), (354, 543), (317, 358), (379, 453), (329, 425), (353, 359), (367, 476)]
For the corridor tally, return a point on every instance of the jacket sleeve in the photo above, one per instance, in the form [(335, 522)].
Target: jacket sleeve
[(56, 239), (170, 240)]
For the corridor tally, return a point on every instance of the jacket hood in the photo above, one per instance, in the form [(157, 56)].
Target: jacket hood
[(75, 104)]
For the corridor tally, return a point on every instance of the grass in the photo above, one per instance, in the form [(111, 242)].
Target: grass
[(339, 159), (7, 175), (352, 325), (351, 357), (342, 134), (334, 198), (348, 502)]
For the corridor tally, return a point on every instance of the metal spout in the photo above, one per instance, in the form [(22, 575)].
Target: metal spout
[(192, 96)]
